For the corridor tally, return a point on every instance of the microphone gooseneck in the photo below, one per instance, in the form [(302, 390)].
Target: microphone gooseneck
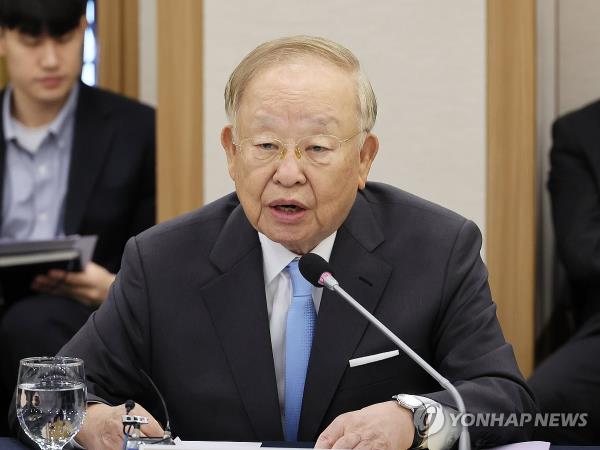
[(132, 439), (162, 400), (318, 272)]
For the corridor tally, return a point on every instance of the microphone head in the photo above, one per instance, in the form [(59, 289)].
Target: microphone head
[(129, 405), (312, 266)]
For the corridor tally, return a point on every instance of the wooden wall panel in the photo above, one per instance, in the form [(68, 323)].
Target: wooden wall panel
[(511, 30), (118, 46), (3, 73), (180, 117)]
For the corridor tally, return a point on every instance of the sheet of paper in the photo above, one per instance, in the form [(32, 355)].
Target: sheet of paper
[(86, 246), (204, 445), (531, 445), (221, 445)]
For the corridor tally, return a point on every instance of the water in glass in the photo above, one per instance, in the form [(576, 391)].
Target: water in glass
[(51, 400)]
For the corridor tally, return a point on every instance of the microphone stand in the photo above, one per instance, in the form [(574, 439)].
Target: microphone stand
[(328, 281)]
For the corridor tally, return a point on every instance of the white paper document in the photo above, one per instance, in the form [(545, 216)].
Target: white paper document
[(203, 445), (223, 445), (531, 445)]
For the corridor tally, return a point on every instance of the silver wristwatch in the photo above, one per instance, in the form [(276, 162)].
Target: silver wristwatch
[(420, 418)]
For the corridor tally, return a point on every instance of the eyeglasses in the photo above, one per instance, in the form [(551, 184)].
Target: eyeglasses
[(320, 149)]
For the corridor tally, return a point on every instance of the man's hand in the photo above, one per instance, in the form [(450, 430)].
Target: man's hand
[(89, 287), (102, 428), (380, 426)]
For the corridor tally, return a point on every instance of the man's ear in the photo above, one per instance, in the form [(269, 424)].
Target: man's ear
[(367, 155), (83, 24), (229, 147)]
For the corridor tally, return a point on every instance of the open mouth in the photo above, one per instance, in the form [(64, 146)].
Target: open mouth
[(288, 211), (288, 208)]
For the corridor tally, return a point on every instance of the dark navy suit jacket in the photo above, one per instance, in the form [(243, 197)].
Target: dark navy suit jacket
[(189, 307)]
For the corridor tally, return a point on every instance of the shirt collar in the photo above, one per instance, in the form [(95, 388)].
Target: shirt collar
[(55, 127), (276, 256)]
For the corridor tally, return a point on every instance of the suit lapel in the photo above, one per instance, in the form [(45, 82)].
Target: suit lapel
[(91, 138), (339, 326), (237, 305)]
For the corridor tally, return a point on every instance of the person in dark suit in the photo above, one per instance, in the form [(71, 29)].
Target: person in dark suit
[(207, 303), (569, 379), (73, 160)]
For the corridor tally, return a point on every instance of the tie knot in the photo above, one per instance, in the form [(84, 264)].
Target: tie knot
[(300, 287)]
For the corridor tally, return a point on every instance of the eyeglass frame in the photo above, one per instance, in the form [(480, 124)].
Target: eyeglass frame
[(297, 150)]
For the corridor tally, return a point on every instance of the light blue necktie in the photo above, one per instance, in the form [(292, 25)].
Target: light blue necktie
[(300, 329)]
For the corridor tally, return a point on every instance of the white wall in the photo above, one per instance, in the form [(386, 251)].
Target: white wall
[(426, 61), (148, 70), (578, 53), (546, 113)]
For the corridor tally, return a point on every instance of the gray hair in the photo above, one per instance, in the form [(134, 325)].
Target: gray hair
[(287, 48)]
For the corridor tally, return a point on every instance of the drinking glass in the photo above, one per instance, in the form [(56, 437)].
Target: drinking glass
[(51, 399)]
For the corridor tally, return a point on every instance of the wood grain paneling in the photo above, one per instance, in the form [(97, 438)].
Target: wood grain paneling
[(3, 73), (179, 119), (118, 46), (511, 169)]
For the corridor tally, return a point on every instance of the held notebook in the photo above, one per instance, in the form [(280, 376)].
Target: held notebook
[(21, 261)]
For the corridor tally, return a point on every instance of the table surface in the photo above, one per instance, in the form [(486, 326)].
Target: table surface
[(7, 443)]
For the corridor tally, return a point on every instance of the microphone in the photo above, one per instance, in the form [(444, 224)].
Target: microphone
[(318, 272), (167, 435), (129, 405), (134, 441)]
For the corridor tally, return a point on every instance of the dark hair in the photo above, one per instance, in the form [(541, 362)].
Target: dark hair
[(36, 17)]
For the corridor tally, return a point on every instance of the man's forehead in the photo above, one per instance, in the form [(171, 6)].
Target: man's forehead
[(303, 93), (304, 75), (262, 119)]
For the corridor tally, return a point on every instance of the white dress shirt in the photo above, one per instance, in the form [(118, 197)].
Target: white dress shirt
[(278, 290), (37, 172)]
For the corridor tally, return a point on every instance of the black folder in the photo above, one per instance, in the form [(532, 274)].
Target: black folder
[(22, 261)]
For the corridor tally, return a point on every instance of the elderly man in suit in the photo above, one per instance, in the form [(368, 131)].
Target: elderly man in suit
[(212, 307), (73, 160)]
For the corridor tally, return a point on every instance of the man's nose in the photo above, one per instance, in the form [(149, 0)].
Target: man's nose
[(49, 54), (290, 168)]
